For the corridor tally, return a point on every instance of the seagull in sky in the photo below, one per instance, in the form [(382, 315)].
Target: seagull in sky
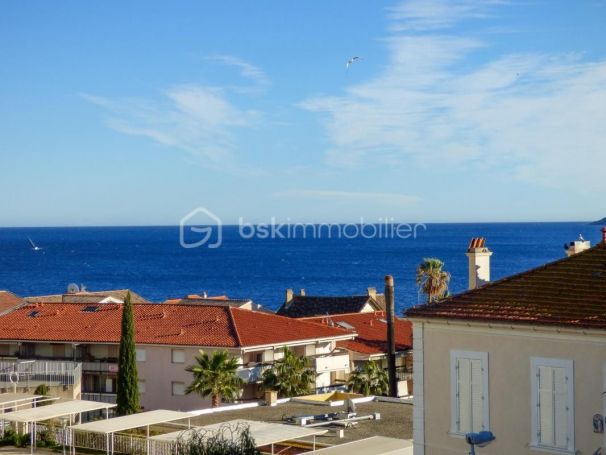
[(352, 60)]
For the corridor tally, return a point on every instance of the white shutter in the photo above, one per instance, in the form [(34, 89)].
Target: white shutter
[(464, 395), (469, 390), (560, 399), (552, 403), (477, 396), (545, 404)]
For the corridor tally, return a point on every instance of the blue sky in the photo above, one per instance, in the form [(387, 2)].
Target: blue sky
[(124, 113)]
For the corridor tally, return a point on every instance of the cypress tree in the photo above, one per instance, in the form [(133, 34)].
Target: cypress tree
[(128, 387)]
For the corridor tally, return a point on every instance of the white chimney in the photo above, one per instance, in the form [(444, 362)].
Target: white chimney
[(289, 294), (372, 292), (479, 262), (577, 246), (302, 292)]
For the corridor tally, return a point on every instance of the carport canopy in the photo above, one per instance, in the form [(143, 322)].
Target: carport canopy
[(56, 410), (129, 422), (10, 400), (264, 433), (376, 445)]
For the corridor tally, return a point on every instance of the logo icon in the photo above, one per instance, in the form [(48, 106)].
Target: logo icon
[(201, 227)]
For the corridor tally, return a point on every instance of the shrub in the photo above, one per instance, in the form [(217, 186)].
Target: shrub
[(228, 440)]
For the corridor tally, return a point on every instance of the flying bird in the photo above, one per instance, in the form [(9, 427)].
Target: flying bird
[(352, 60)]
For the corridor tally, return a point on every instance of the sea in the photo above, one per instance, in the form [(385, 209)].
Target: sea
[(152, 261)]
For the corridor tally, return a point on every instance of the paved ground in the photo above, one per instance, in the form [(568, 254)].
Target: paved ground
[(10, 450), (396, 419)]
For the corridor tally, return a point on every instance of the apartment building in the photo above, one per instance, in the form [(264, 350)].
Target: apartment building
[(370, 342), (167, 336), (523, 357)]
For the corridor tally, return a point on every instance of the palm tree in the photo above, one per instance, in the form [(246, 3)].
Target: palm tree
[(432, 280), (215, 376), (290, 376), (370, 379)]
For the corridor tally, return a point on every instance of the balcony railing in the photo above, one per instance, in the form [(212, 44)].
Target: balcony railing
[(100, 367), (332, 363), (102, 397), (31, 373)]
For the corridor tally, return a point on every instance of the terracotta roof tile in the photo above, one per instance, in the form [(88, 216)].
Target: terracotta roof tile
[(567, 292), (372, 331), (9, 300), (176, 324)]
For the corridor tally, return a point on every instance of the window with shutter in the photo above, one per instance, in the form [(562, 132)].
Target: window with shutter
[(469, 392), (552, 403)]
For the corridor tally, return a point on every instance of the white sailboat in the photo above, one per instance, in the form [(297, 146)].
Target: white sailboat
[(34, 246)]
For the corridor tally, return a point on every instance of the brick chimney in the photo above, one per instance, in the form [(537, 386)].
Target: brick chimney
[(577, 246), (479, 262), (604, 235)]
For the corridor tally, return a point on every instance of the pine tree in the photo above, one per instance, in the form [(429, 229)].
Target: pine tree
[(128, 387)]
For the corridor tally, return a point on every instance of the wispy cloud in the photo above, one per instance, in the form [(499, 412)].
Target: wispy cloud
[(537, 117), (200, 120), (422, 15), (247, 70), (393, 198)]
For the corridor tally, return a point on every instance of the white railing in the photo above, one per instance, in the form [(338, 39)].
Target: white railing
[(122, 443), (26, 373)]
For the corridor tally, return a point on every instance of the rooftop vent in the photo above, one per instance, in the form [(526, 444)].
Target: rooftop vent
[(33, 314)]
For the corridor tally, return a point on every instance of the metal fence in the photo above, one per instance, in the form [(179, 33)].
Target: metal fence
[(122, 443), (29, 373)]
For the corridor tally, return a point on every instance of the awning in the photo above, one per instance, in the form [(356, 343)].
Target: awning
[(376, 445), (129, 422), (56, 410), (8, 400)]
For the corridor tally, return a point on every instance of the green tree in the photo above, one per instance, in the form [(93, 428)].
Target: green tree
[(215, 376), (128, 383), (370, 379), (290, 376), (432, 280)]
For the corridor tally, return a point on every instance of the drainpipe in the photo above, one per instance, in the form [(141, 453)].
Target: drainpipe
[(391, 341)]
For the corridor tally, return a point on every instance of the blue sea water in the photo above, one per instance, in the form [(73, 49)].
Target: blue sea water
[(151, 261)]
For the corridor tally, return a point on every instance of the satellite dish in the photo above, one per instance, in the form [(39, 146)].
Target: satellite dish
[(72, 288)]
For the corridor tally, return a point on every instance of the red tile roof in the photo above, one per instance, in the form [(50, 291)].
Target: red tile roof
[(372, 331), (176, 324), (8, 300), (567, 292)]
